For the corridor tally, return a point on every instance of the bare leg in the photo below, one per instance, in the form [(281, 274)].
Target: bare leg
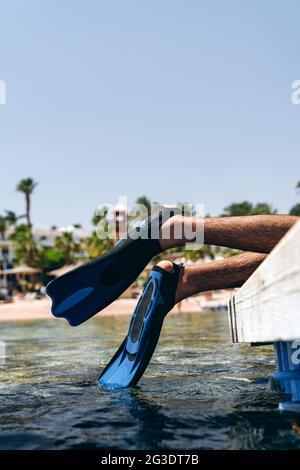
[(224, 274), (258, 233)]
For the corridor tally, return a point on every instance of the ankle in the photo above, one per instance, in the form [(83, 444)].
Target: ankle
[(180, 290)]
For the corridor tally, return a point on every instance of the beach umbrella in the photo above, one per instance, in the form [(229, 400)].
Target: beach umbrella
[(20, 270)]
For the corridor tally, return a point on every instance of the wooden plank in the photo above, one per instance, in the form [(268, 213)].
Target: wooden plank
[(267, 307)]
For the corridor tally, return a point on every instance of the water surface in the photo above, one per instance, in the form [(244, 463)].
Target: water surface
[(200, 391)]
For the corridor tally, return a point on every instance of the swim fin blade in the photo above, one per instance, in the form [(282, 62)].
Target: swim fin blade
[(84, 291), (132, 358)]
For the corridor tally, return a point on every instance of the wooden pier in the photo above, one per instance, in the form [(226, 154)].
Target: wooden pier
[(267, 310)]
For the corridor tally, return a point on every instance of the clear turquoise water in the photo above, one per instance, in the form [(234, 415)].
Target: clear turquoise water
[(200, 392)]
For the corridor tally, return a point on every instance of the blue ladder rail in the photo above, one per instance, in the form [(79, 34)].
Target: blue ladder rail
[(288, 373)]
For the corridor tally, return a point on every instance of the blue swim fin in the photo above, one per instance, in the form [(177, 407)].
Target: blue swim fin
[(132, 358), (81, 293)]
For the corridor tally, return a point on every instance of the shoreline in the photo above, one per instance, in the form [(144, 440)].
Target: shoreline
[(28, 310)]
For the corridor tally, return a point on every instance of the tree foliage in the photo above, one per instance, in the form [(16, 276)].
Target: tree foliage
[(50, 259), (3, 226), (95, 247), (145, 201), (247, 208), (26, 250), (295, 210), (65, 244)]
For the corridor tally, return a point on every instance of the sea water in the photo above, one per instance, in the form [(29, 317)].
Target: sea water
[(199, 392)]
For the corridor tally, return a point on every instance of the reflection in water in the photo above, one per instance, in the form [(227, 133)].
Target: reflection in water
[(200, 392)]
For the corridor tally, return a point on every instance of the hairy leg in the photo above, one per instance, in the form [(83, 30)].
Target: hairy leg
[(227, 273), (258, 233)]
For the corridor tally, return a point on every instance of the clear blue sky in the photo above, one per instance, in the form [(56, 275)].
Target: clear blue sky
[(184, 100)]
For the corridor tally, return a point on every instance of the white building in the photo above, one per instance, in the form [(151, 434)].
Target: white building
[(46, 237)]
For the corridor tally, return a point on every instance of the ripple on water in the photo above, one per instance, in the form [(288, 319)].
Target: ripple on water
[(200, 391)]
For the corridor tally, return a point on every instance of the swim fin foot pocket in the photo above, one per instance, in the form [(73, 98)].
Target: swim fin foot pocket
[(81, 293), (132, 358)]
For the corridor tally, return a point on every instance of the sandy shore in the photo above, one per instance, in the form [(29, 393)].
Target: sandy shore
[(40, 309)]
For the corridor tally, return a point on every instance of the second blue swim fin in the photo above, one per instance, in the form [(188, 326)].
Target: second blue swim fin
[(132, 358), (81, 293)]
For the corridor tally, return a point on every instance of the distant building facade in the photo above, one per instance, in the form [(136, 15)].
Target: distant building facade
[(46, 237)]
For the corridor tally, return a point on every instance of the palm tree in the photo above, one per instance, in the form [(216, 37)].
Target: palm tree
[(25, 248), (12, 218), (145, 201), (66, 244), (3, 226), (99, 215), (135, 214), (27, 186)]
